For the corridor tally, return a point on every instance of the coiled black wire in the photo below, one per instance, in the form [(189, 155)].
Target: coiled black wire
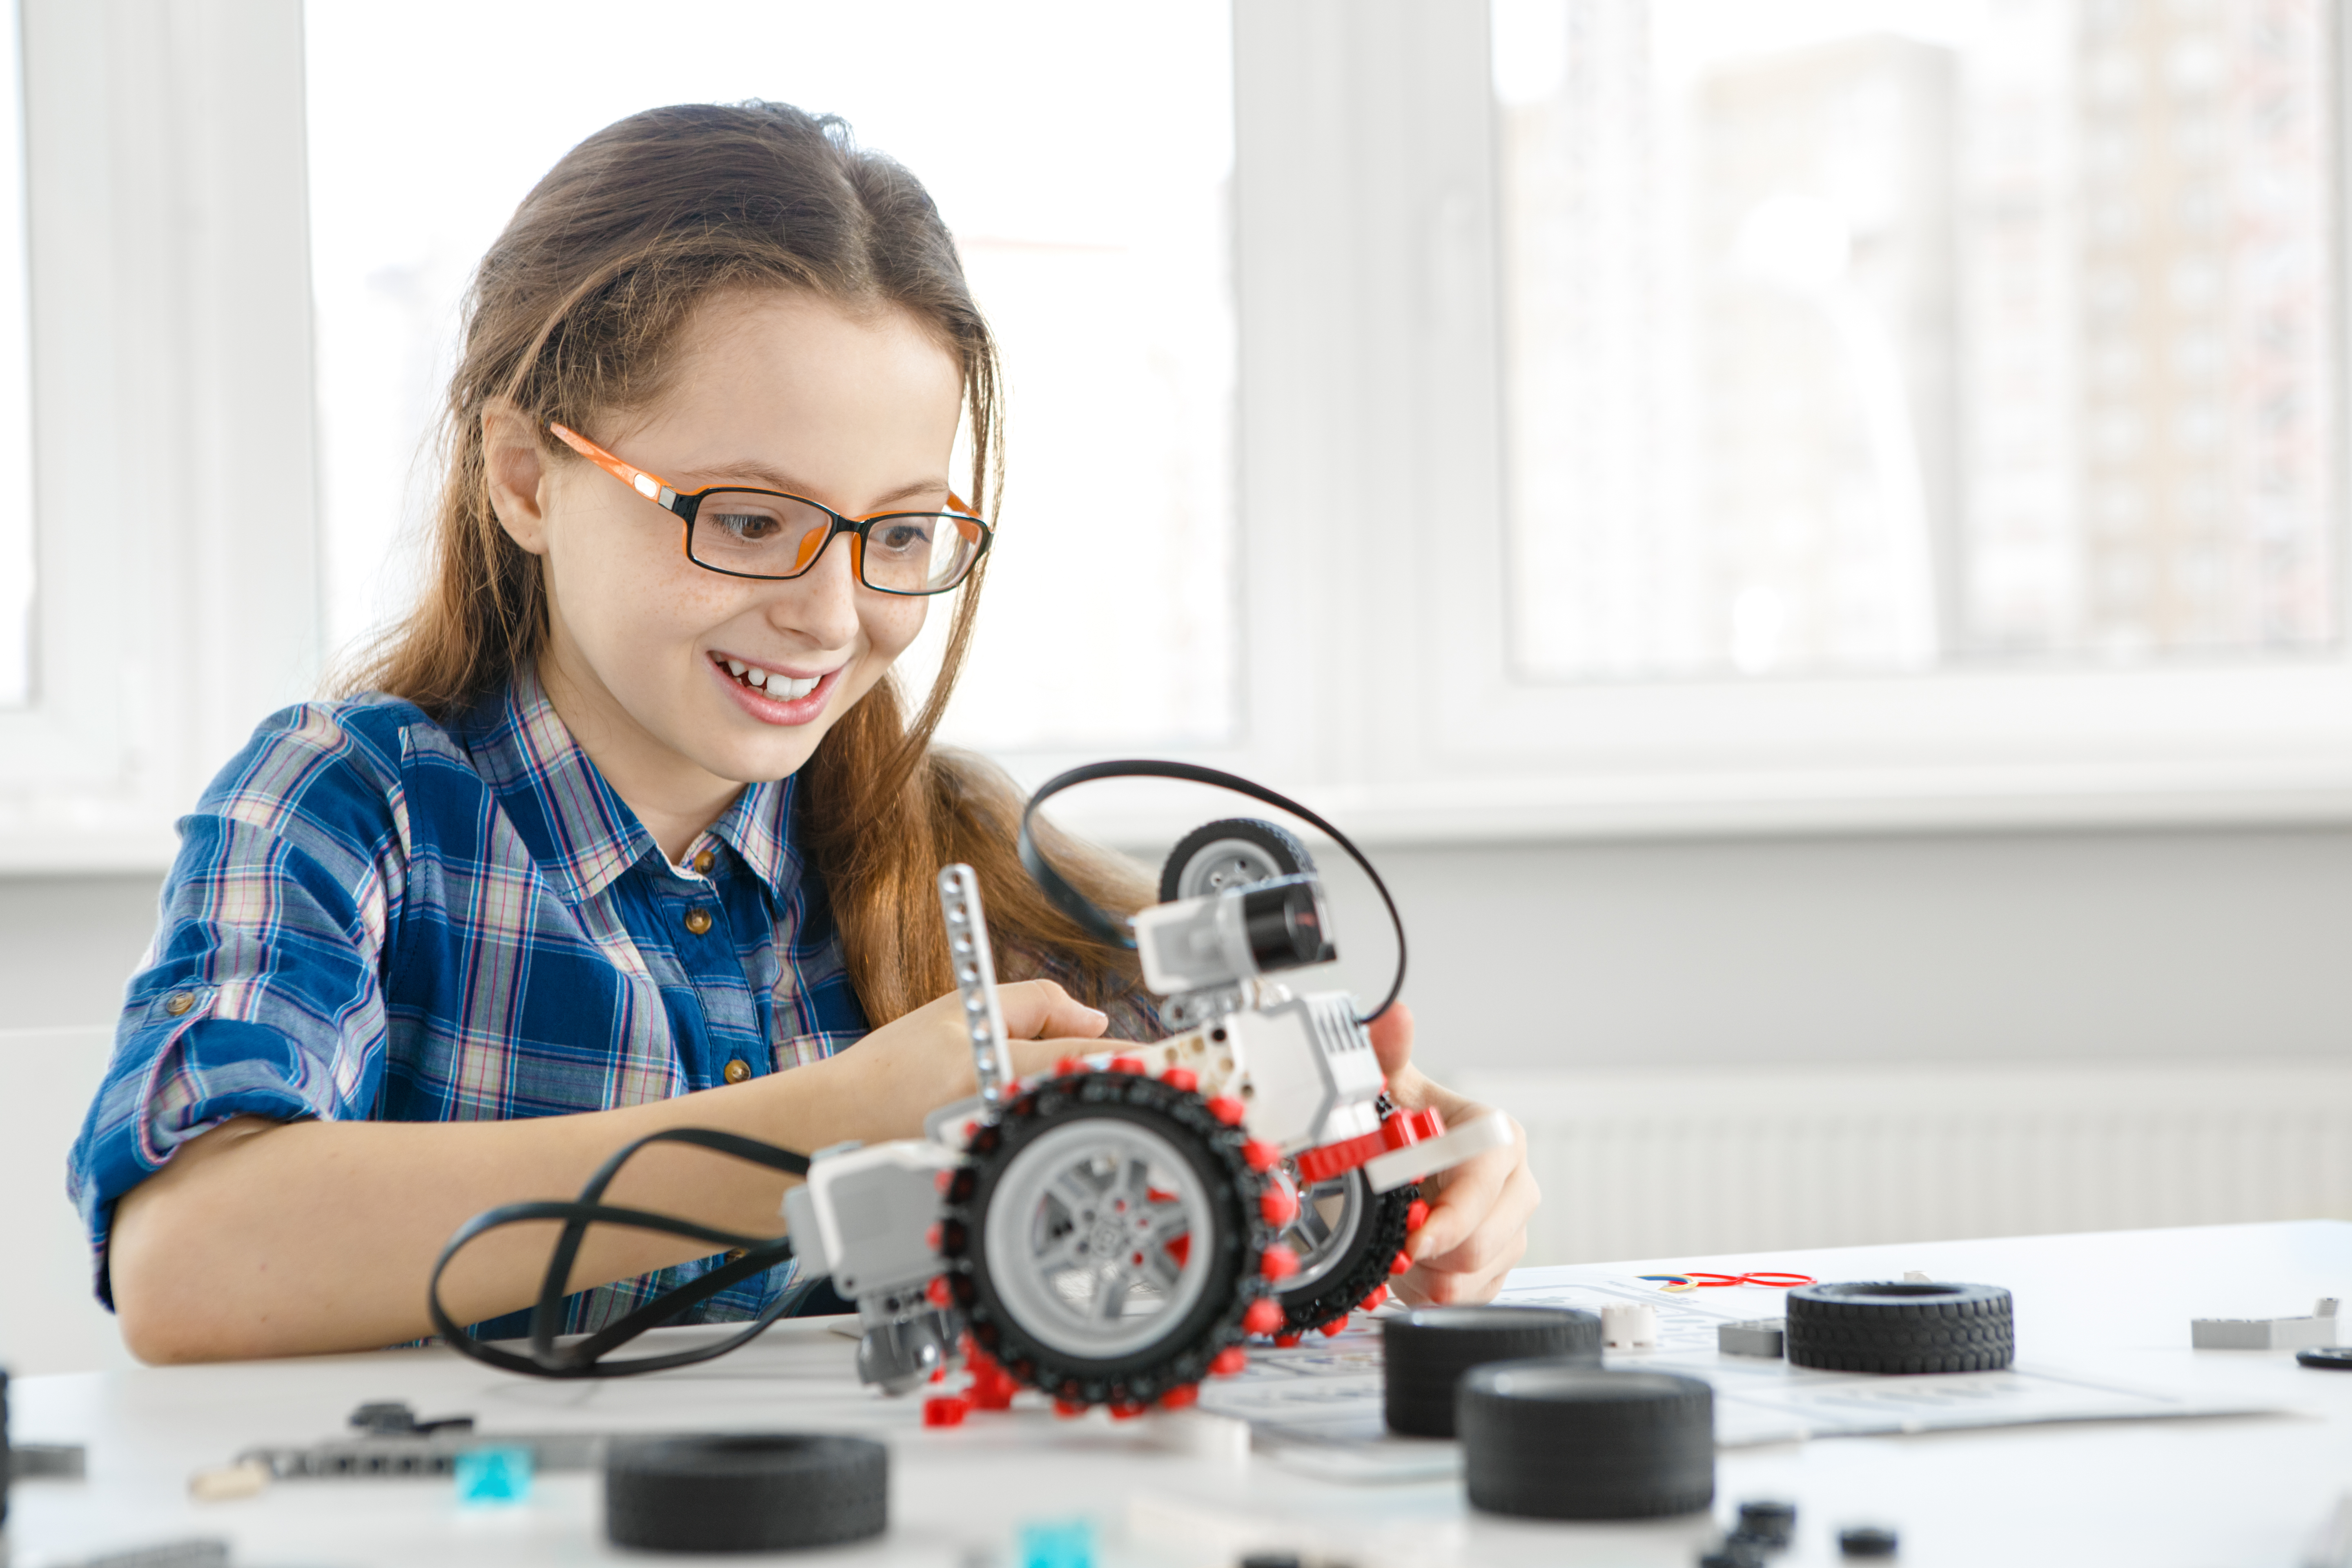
[(585, 1357)]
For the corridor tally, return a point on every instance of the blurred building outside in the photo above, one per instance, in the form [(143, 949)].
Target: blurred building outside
[(1881, 338)]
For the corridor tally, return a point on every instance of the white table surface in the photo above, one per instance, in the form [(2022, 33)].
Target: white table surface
[(2216, 1491)]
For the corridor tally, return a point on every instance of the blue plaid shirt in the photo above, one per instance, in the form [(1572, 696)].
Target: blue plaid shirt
[(374, 916)]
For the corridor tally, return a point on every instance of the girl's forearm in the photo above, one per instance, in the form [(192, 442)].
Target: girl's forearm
[(264, 1239)]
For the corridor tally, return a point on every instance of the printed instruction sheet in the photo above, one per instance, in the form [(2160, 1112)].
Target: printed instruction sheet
[(1317, 1407)]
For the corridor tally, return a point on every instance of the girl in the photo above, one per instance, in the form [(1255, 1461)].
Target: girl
[(626, 827)]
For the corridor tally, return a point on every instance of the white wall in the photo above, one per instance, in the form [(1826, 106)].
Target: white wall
[(49, 1321)]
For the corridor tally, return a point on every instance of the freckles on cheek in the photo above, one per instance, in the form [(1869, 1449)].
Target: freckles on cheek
[(891, 628)]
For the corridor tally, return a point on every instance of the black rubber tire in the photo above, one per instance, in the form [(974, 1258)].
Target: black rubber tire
[(1900, 1326), (1177, 1358), (1279, 845), (1556, 1439), (1425, 1352), (1361, 1271), (746, 1492)]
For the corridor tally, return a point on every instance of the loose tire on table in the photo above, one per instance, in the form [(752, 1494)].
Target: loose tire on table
[(1900, 1326), (1069, 1168), (746, 1492), (1555, 1439), (1425, 1352)]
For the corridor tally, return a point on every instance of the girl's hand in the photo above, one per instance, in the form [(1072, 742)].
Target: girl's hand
[(887, 1082), (1478, 1225)]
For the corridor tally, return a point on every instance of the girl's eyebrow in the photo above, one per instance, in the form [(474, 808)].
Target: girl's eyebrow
[(767, 477)]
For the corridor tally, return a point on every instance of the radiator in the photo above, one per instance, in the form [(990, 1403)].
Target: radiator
[(1703, 1160)]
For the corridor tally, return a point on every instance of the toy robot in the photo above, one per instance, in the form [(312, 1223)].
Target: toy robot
[(1113, 1231)]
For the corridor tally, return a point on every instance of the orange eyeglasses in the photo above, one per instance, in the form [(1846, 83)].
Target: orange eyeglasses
[(775, 536)]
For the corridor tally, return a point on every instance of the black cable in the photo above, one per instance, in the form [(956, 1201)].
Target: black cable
[(1099, 926), (585, 1358)]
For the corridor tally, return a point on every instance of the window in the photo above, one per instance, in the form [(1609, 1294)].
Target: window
[(15, 385), (1875, 337), (1091, 217)]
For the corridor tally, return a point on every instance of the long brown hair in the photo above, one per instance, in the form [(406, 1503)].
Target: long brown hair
[(575, 313)]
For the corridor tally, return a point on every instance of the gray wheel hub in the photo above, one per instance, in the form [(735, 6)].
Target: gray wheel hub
[(1099, 1238)]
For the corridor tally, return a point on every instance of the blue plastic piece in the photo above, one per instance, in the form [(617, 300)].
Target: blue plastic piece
[(493, 1478), (1065, 1543)]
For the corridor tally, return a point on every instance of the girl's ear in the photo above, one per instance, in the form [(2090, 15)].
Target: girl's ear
[(516, 467)]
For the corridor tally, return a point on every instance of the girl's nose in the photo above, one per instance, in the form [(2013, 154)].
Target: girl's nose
[(821, 606)]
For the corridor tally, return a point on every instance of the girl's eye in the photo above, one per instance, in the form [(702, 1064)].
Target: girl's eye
[(746, 525), (903, 535)]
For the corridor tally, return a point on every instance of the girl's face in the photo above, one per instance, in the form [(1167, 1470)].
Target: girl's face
[(774, 390)]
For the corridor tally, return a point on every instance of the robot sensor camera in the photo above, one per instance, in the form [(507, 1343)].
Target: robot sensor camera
[(1258, 928)]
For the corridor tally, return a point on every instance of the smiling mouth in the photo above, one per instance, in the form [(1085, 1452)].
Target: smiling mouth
[(773, 684)]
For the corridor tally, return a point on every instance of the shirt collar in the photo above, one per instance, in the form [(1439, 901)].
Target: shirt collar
[(582, 834), (757, 827)]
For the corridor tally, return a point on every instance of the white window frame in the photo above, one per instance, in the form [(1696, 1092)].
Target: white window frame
[(172, 356), (1377, 677), (170, 353)]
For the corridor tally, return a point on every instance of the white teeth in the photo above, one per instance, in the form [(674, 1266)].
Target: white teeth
[(777, 685)]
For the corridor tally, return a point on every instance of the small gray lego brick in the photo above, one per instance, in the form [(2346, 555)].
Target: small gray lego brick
[(1764, 1337), (197, 1553), (2314, 1333), (45, 1461)]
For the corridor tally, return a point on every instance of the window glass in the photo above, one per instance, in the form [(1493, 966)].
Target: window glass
[(1854, 335), (1081, 153), (16, 556)]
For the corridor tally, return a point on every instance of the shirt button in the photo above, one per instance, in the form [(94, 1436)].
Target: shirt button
[(704, 861), (698, 921), (178, 1002), (738, 1070)]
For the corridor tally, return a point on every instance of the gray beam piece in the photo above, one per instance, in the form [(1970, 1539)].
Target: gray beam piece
[(1764, 1337)]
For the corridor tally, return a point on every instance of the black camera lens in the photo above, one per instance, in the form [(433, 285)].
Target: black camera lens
[(1283, 924)]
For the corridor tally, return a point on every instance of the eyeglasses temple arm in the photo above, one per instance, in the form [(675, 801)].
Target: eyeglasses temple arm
[(649, 485)]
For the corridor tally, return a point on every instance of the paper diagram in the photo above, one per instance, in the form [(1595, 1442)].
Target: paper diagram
[(1317, 1409)]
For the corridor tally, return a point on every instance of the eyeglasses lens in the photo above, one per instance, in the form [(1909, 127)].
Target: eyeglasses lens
[(756, 535)]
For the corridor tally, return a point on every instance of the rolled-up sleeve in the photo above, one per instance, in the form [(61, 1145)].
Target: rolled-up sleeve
[(263, 992)]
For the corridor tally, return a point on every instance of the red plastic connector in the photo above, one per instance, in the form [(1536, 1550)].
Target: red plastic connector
[(1127, 1064), (1285, 1342), (1279, 1204), (1068, 1065), (1335, 1328), (1400, 1264), (1227, 1109), (1066, 1408), (1416, 1214), (1412, 1126), (1401, 1127), (1337, 1159), (939, 1292), (1265, 1316), (1278, 1262), (1374, 1302), (1262, 1156), (1229, 1361), (1183, 1396), (1127, 1409), (946, 1410)]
